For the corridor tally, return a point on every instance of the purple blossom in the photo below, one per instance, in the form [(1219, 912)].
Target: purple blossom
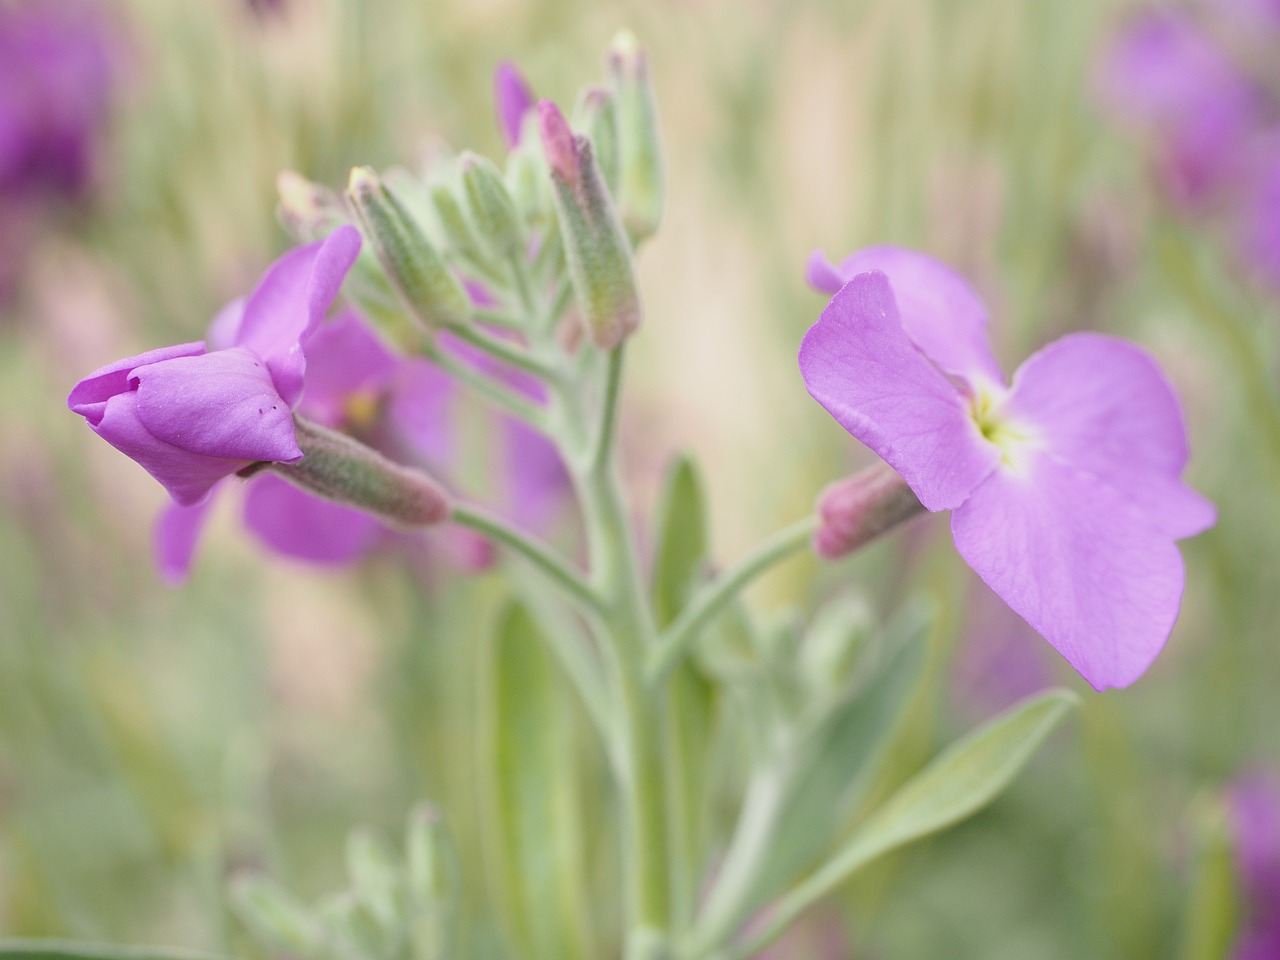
[(191, 416), (513, 100), (55, 74), (1065, 487), (1254, 808)]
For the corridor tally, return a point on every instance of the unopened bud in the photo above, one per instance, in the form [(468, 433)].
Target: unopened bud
[(492, 209), (527, 182), (596, 117), (641, 186), (595, 246), (424, 280), (340, 468), (854, 511), (834, 643), (432, 882), (308, 211), (512, 99), (375, 879)]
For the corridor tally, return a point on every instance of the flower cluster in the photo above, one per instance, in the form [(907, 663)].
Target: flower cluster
[(1201, 80), (1065, 486)]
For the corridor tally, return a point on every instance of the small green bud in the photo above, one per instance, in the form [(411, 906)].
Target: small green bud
[(491, 207), (308, 211), (340, 468), (275, 916), (596, 117), (375, 879), (596, 248), (352, 933), (453, 219), (641, 187), (835, 643), (432, 882), (429, 288)]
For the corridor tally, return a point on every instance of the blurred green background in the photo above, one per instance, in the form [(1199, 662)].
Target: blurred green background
[(154, 742)]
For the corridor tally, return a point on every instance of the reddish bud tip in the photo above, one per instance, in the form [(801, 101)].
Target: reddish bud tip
[(558, 141), (854, 511)]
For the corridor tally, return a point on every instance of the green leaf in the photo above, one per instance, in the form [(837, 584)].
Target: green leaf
[(73, 950), (681, 540), (532, 794), (958, 783), (1211, 903)]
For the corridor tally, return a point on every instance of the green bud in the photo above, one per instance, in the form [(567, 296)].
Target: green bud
[(275, 916), (308, 211), (340, 468), (491, 207), (835, 643), (461, 235), (596, 248), (352, 933), (375, 879), (429, 288), (596, 117), (641, 187), (432, 882)]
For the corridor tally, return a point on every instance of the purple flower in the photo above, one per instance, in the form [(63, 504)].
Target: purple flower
[(1254, 808), (55, 75), (191, 416), (1066, 486), (350, 375), (513, 99)]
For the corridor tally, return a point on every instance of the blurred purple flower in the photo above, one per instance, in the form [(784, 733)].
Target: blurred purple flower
[(1254, 807), (512, 100), (1193, 78), (191, 416), (1065, 488), (995, 666)]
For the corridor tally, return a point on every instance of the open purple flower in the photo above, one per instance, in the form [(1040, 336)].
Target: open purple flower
[(1065, 487), (191, 416)]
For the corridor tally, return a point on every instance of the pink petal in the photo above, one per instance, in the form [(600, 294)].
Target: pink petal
[(512, 99), (296, 524), (1103, 406), (224, 328), (859, 364), (220, 404), (822, 275), (177, 532), (290, 300), (187, 476), (1078, 563), (89, 397), (344, 358), (939, 310)]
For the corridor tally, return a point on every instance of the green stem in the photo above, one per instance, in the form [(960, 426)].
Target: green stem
[(715, 596), (606, 429), (543, 559), (501, 397), (509, 353)]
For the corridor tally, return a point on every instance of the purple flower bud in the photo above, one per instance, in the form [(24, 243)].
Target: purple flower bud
[(513, 99), (558, 142), (854, 511), (190, 416)]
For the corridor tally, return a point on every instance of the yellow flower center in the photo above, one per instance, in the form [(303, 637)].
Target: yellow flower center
[(1013, 439)]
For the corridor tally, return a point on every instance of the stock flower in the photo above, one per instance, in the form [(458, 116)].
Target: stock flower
[(190, 415), (1065, 487)]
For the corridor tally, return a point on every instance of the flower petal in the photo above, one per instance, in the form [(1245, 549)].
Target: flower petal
[(89, 397), (1102, 405), (290, 300), (859, 364), (512, 100), (177, 532), (1078, 563), (187, 476), (220, 404), (224, 328), (821, 274), (296, 524), (344, 358), (939, 309)]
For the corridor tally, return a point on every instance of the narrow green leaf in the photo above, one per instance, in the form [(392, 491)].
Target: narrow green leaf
[(1211, 903), (680, 559), (681, 540), (20, 949), (530, 780), (959, 782)]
